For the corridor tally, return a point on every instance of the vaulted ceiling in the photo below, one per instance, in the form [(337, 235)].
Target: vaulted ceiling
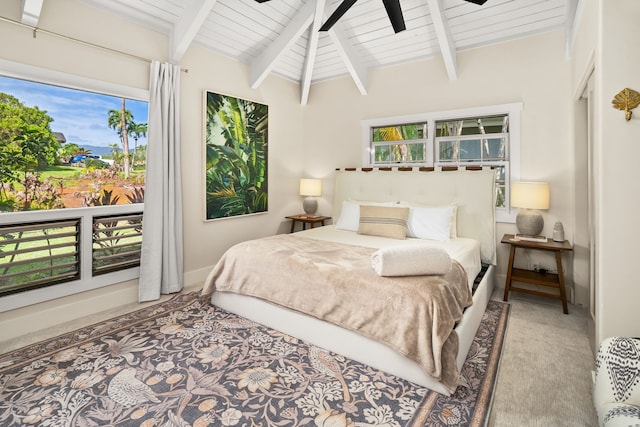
[(282, 37)]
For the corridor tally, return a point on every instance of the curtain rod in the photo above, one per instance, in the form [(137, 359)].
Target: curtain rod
[(75, 40)]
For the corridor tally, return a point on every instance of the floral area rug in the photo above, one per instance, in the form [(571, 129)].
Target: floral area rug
[(187, 363)]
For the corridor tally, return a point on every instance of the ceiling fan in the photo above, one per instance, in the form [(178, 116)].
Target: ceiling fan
[(393, 10)]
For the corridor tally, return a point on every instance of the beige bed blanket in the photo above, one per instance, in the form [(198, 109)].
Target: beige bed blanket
[(414, 315)]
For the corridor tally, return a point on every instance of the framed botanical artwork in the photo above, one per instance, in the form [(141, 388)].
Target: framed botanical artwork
[(235, 141)]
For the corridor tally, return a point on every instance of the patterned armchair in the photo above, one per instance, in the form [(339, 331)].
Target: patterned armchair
[(616, 392)]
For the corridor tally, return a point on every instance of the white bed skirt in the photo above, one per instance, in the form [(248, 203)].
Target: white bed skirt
[(352, 345)]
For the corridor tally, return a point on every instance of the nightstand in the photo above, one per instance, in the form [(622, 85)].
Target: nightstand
[(552, 280), (305, 219)]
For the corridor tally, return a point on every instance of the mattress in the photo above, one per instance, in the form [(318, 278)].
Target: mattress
[(465, 251)]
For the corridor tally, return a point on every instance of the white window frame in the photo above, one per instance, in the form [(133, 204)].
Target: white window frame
[(87, 281), (514, 111)]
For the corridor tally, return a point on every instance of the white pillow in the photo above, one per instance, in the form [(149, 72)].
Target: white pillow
[(454, 216), (432, 223), (350, 214)]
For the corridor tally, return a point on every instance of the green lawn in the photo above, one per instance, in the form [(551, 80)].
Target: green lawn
[(61, 172)]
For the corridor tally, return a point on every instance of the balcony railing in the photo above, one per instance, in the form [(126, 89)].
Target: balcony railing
[(48, 254)]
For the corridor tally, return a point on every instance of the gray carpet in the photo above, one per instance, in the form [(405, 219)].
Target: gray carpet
[(545, 373)]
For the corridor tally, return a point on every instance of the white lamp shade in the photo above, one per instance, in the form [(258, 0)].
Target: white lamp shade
[(310, 187), (530, 195)]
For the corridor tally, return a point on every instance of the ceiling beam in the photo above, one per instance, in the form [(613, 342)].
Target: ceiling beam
[(445, 39), (187, 26), (31, 12), (262, 65), (349, 54), (312, 48)]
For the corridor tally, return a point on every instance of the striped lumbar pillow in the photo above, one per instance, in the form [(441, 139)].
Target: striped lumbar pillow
[(383, 221)]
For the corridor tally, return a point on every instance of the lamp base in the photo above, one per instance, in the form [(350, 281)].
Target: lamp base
[(529, 222), (310, 205)]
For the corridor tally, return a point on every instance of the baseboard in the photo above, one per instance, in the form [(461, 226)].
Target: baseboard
[(51, 314), (38, 321), (196, 277)]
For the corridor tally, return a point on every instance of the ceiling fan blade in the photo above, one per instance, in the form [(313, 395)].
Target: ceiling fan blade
[(261, 1), (337, 14), (480, 2), (395, 14)]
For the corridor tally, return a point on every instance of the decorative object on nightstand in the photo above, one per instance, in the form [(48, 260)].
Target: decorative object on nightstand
[(558, 232), (540, 277), (529, 197), (310, 188)]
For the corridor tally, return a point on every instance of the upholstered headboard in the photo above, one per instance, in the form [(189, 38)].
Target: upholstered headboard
[(473, 192)]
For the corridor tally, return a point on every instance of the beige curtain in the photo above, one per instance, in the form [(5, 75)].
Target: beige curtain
[(161, 261)]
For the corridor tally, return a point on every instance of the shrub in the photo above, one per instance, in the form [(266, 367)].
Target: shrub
[(37, 194), (137, 196), (92, 163)]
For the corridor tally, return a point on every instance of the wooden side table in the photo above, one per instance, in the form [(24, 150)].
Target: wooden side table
[(305, 219), (537, 277)]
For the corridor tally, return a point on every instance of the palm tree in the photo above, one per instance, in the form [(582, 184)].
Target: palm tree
[(119, 120), (136, 130)]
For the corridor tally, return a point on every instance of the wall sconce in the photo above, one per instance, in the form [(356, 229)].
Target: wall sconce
[(310, 188), (626, 100)]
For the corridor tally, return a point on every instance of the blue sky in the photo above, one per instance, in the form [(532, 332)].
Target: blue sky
[(81, 116)]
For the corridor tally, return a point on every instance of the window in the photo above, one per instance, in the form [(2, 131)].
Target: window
[(478, 137), (399, 144), (72, 168), (37, 255), (478, 141)]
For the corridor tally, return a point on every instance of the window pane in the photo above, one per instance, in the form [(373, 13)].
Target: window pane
[(399, 153), (117, 241), (382, 154), (416, 152), (500, 195), (501, 186), (449, 128), (494, 148), (473, 126), (400, 132), (39, 254), (66, 148), (448, 150), (470, 150)]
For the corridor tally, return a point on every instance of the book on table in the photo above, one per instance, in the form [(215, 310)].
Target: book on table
[(527, 238)]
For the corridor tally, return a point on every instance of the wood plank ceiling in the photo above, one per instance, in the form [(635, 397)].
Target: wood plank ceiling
[(281, 37)]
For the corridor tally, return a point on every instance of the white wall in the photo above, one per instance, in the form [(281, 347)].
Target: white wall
[(606, 42), (45, 51), (204, 242), (532, 71), (617, 150), (583, 70), (307, 140)]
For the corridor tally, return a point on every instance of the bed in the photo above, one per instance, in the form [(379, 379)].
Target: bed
[(473, 194)]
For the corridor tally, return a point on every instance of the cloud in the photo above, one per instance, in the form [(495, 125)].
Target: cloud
[(81, 116)]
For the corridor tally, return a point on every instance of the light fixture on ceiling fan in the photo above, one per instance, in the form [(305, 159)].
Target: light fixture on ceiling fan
[(393, 10)]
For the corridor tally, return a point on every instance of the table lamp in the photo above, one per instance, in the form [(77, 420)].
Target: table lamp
[(310, 188), (530, 196)]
